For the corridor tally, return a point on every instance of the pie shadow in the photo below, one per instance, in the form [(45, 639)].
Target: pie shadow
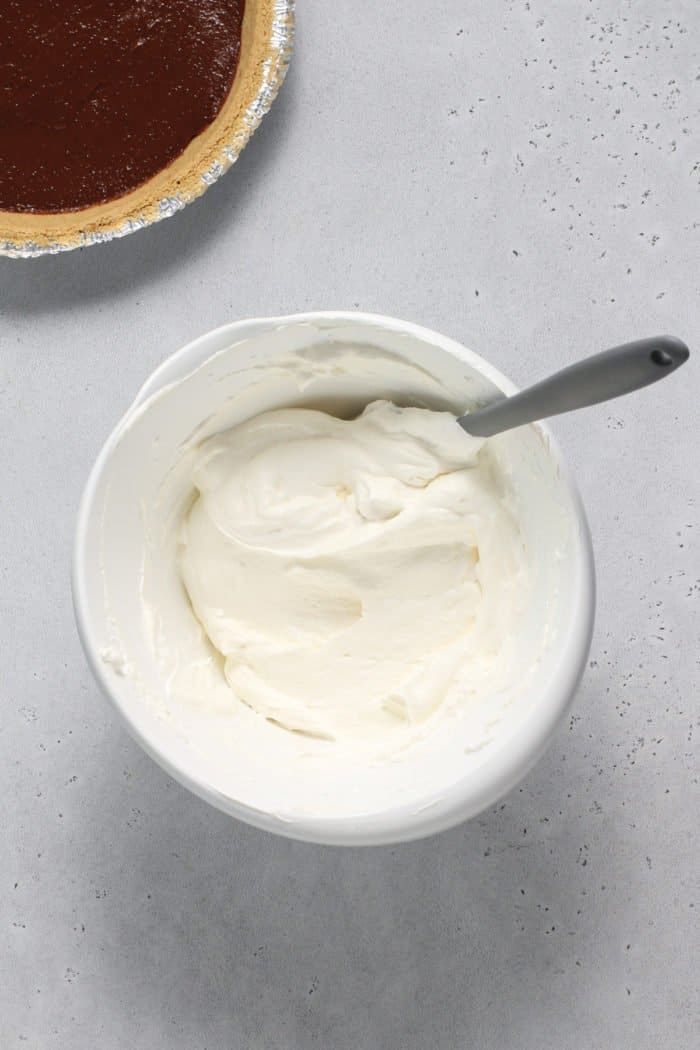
[(61, 282)]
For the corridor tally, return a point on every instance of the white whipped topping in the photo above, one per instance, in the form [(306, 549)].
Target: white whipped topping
[(486, 640), (359, 578)]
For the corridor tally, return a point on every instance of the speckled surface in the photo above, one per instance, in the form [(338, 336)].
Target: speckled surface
[(525, 177)]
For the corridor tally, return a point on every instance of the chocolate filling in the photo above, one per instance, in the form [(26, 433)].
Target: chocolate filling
[(97, 96)]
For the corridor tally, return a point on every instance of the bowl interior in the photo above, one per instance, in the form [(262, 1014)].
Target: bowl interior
[(139, 488)]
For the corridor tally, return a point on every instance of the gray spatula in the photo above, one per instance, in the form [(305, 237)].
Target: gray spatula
[(598, 378)]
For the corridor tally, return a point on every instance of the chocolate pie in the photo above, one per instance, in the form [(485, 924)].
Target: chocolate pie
[(116, 112)]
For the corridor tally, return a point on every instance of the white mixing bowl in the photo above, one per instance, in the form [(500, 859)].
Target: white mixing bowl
[(433, 786)]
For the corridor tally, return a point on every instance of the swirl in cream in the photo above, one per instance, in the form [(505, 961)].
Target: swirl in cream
[(357, 576)]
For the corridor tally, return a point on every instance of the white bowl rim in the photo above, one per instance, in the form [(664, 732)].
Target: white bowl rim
[(507, 764)]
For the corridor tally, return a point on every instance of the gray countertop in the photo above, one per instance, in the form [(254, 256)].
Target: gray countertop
[(524, 176)]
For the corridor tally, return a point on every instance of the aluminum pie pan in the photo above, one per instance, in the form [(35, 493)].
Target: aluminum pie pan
[(266, 50)]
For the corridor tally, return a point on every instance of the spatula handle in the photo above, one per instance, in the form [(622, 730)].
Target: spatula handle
[(598, 378)]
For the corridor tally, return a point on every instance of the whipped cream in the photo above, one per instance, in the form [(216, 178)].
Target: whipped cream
[(360, 610), (359, 578)]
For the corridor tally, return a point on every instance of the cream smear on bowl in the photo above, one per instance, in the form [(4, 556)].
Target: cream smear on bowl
[(329, 598)]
